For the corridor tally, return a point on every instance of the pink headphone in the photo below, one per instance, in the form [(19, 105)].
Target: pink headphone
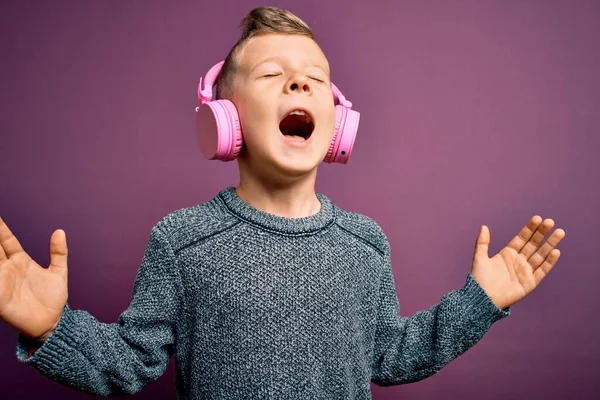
[(219, 131)]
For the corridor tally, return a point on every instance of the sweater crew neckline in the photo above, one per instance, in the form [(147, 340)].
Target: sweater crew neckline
[(284, 225)]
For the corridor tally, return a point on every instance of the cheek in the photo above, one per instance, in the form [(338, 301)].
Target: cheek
[(330, 121), (254, 116)]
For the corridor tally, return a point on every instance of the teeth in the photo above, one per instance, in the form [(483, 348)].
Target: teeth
[(297, 112)]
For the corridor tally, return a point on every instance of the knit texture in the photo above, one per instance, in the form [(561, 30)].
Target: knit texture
[(256, 306)]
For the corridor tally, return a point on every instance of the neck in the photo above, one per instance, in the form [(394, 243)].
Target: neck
[(290, 198)]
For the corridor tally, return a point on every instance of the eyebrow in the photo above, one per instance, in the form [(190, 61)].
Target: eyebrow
[(276, 59), (266, 60)]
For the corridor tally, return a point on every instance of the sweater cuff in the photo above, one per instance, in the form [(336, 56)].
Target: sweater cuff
[(482, 306), (57, 348)]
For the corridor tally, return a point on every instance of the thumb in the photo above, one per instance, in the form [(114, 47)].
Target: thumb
[(58, 252), (483, 242)]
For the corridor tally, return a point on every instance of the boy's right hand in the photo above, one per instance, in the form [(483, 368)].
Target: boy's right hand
[(32, 298)]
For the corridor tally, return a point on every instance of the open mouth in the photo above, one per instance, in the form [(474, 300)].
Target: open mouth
[(298, 123)]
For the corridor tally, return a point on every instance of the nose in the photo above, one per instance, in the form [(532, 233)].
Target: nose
[(299, 84)]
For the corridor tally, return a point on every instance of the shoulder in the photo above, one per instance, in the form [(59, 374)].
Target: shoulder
[(189, 225), (364, 228)]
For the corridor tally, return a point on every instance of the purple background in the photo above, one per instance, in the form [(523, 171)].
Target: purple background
[(479, 112)]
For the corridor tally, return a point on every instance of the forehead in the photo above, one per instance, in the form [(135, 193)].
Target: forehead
[(297, 50)]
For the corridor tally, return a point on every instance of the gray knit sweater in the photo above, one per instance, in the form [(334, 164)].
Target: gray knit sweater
[(256, 306)]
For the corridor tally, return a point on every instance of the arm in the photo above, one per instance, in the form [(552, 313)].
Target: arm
[(411, 349), (122, 357)]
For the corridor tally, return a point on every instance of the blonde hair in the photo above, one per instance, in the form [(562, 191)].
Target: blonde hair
[(260, 20)]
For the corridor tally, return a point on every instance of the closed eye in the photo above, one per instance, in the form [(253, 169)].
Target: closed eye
[(270, 75), (317, 79)]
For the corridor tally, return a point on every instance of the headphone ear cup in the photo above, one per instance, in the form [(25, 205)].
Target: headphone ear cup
[(237, 138), (346, 126), (218, 130), (339, 115)]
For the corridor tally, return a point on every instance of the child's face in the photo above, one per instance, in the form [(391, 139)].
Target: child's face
[(277, 74)]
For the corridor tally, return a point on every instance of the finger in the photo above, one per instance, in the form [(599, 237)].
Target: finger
[(531, 237), (538, 237), (2, 254), (538, 258), (482, 243), (540, 273), (519, 241), (58, 252), (9, 243)]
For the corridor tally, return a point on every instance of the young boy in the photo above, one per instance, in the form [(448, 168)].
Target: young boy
[(269, 290)]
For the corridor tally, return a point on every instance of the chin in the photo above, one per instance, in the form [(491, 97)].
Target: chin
[(298, 165), (297, 169), (281, 159)]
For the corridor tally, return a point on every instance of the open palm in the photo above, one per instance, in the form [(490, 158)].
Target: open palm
[(32, 298), (518, 268)]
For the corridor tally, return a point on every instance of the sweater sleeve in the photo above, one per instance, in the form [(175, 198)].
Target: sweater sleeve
[(409, 349), (121, 357)]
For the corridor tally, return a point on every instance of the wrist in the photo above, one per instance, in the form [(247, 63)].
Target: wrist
[(38, 341)]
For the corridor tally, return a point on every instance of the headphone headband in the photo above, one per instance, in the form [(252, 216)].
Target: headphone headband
[(206, 94)]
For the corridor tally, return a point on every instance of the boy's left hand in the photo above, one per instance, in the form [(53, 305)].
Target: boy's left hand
[(518, 268)]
